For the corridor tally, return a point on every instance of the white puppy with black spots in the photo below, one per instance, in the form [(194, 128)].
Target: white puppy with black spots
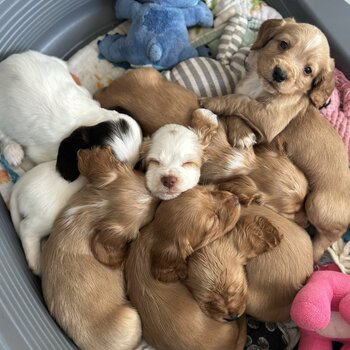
[(40, 105)]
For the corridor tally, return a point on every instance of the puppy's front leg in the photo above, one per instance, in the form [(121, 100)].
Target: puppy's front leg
[(268, 119)]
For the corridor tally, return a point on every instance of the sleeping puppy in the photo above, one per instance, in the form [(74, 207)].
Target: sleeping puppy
[(40, 105), (40, 194), (221, 290), (177, 157), (173, 156), (273, 181), (187, 223), (154, 102), (290, 78), (149, 98), (171, 318), (82, 278), (230, 276)]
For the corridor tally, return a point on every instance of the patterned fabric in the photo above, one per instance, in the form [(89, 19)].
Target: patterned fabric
[(208, 77)]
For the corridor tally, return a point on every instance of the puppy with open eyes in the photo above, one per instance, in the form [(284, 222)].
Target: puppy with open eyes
[(171, 318), (82, 275), (290, 78)]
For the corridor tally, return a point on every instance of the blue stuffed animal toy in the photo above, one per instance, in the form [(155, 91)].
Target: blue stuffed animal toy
[(158, 33)]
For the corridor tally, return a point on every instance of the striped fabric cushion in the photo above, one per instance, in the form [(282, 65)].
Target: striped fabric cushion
[(208, 77)]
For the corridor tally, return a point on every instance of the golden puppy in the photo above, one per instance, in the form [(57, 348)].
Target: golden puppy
[(154, 101), (85, 297), (149, 98), (196, 218), (224, 296), (171, 318), (267, 286), (290, 78), (273, 181)]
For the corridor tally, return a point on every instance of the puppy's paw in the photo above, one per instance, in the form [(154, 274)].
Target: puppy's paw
[(213, 103), (13, 153), (204, 116), (242, 137), (247, 141)]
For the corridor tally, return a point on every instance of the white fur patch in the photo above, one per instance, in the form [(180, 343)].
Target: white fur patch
[(247, 142), (313, 43), (251, 86), (13, 153), (176, 152), (40, 105), (236, 162), (36, 199), (209, 115)]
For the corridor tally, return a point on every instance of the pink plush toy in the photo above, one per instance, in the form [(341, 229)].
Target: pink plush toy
[(322, 311)]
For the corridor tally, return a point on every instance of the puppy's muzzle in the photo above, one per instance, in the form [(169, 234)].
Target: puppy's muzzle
[(169, 181), (279, 75)]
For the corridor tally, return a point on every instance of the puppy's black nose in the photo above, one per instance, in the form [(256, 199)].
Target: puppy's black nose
[(169, 181), (279, 75), (231, 318)]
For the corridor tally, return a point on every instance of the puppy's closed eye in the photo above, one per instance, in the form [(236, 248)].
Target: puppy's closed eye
[(190, 164), (152, 162)]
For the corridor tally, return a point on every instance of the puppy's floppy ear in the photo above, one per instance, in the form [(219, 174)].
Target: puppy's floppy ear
[(67, 162), (167, 262), (144, 149), (255, 235), (205, 124), (109, 245), (99, 165), (323, 86), (268, 30), (244, 188)]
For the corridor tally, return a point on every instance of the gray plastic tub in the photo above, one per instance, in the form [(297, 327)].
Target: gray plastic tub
[(56, 28), (60, 28)]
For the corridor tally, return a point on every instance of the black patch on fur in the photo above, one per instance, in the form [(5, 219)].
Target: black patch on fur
[(85, 137), (123, 111)]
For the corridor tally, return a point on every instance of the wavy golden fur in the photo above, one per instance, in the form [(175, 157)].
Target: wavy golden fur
[(171, 318), (290, 78), (86, 297)]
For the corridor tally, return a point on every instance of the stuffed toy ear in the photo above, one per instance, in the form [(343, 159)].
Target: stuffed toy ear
[(268, 30), (323, 86)]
